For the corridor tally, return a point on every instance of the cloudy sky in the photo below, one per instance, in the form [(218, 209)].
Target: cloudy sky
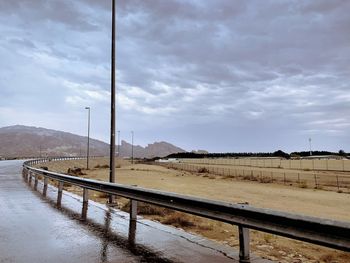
[(219, 75)]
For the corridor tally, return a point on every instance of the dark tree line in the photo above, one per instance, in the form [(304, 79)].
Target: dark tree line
[(278, 153)]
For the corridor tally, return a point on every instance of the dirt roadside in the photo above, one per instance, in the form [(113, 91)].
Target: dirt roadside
[(311, 202)]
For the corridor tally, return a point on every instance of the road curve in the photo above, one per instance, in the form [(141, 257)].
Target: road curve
[(33, 229)]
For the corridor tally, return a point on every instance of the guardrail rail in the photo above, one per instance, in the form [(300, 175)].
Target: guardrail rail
[(328, 233)]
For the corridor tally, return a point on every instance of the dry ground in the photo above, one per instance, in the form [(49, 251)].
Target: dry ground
[(311, 202), (328, 180)]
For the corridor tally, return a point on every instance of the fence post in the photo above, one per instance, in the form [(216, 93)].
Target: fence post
[(244, 240), (338, 183), (284, 177), (59, 194), (45, 186), (85, 203), (299, 178), (315, 176)]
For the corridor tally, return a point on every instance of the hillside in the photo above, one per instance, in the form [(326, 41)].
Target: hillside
[(25, 141)]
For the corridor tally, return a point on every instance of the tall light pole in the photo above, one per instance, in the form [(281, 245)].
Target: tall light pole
[(118, 143), (112, 142), (132, 147), (310, 146), (88, 140)]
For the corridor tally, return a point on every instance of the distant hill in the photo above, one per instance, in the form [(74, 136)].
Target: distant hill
[(25, 141), (157, 149)]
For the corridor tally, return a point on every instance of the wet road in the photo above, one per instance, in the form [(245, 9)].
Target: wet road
[(33, 229)]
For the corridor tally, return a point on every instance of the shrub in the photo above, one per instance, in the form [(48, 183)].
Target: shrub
[(147, 209), (268, 238), (102, 195), (178, 220), (203, 170), (303, 184), (75, 171), (265, 179)]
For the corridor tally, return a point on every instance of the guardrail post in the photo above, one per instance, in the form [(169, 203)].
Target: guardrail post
[(132, 232), (30, 178), (59, 194), (35, 182), (133, 210), (85, 203), (244, 246), (45, 185), (26, 175)]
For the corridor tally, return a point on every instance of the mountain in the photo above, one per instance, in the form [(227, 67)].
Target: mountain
[(25, 141), (157, 149)]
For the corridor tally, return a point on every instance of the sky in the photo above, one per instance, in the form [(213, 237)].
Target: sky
[(219, 75)]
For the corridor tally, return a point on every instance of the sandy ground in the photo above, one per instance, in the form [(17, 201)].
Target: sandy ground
[(312, 202), (329, 180)]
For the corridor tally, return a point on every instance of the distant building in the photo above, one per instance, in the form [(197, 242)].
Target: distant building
[(170, 160)]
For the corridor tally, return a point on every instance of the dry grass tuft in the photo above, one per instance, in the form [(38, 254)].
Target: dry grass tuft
[(147, 209), (268, 238), (203, 170), (250, 178), (76, 171), (102, 195), (265, 180), (329, 258), (66, 185), (104, 166), (303, 184), (178, 220), (168, 216)]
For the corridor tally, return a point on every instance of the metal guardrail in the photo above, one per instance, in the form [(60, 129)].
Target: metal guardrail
[(329, 233)]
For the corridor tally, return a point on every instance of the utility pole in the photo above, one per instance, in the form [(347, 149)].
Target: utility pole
[(112, 142), (88, 140)]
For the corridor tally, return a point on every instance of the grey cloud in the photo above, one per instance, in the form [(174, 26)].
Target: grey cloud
[(207, 67)]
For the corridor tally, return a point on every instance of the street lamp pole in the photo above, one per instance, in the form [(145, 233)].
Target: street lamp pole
[(118, 143), (88, 140), (310, 146), (112, 142), (132, 147)]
